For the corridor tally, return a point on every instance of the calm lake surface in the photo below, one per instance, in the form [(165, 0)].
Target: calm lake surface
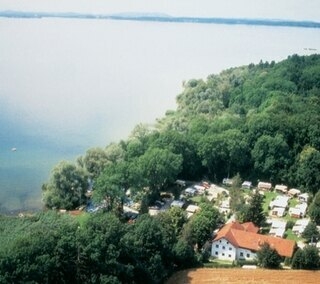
[(67, 85)]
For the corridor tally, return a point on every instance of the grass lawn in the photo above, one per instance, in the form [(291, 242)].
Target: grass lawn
[(221, 261), (293, 202), (214, 263), (292, 236), (196, 199), (268, 196), (288, 218)]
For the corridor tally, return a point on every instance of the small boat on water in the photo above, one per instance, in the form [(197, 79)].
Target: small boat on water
[(13, 149)]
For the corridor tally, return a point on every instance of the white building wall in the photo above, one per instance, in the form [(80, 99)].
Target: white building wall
[(245, 254), (222, 249)]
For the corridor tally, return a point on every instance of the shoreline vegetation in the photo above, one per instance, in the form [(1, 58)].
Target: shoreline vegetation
[(164, 18), (258, 122)]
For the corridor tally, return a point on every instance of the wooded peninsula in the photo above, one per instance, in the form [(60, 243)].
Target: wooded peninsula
[(254, 123)]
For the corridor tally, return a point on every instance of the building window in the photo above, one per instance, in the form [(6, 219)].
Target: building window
[(229, 255), (223, 247), (220, 241), (223, 254), (248, 254), (217, 246), (241, 253), (230, 248), (216, 253), (227, 243)]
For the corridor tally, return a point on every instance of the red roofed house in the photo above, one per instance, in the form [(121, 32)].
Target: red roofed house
[(237, 241)]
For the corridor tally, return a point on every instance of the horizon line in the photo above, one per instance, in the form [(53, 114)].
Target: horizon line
[(162, 17)]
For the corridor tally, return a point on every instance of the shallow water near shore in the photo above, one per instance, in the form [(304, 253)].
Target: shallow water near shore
[(67, 84)]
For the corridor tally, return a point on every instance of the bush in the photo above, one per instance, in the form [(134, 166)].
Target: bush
[(241, 263), (268, 257), (306, 258), (290, 224), (219, 264)]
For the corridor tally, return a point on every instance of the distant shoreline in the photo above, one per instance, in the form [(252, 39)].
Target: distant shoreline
[(163, 18)]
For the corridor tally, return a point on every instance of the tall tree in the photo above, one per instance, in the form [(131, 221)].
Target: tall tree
[(144, 247), (158, 168), (254, 212), (111, 185), (66, 187), (298, 259), (268, 257), (200, 228), (214, 154), (306, 258), (114, 152), (314, 209), (98, 255), (184, 255), (95, 160), (270, 155), (311, 233), (308, 169), (178, 143), (42, 250), (172, 221)]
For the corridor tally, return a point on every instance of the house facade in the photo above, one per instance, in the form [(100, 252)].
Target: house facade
[(279, 205), (247, 184), (299, 211), (265, 186), (278, 228), (300, 226), (223, 249), (303, 197), (281, 188), (293, 192), (237, 241)]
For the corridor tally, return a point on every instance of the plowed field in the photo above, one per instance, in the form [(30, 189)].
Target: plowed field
[(247, 276)]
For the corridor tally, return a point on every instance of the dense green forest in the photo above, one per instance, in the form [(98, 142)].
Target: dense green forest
[(51, 247), (257, 122)]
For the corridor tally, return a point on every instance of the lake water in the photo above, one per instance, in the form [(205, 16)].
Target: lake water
[(67, 85)]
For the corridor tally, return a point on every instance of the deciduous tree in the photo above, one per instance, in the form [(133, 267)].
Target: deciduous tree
[(306, 258), (157, 168), (111, 185), (144, 247), (254, 212), (308, 169), (268, 257), (270, 155), (66, 187), (311, 233), (314, 209), (95, 160), (200, 228)]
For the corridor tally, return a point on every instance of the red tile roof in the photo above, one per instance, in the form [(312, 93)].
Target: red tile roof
[(245, 236), (250, 227)]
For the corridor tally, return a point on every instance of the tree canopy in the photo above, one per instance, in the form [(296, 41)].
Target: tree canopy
[(51, 247), (306, 258), (314, 209), (254, 211), (268, 257), (66, 188), (259, 121)]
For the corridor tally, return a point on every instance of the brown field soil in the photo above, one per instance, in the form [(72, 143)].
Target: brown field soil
[(247, 276)]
